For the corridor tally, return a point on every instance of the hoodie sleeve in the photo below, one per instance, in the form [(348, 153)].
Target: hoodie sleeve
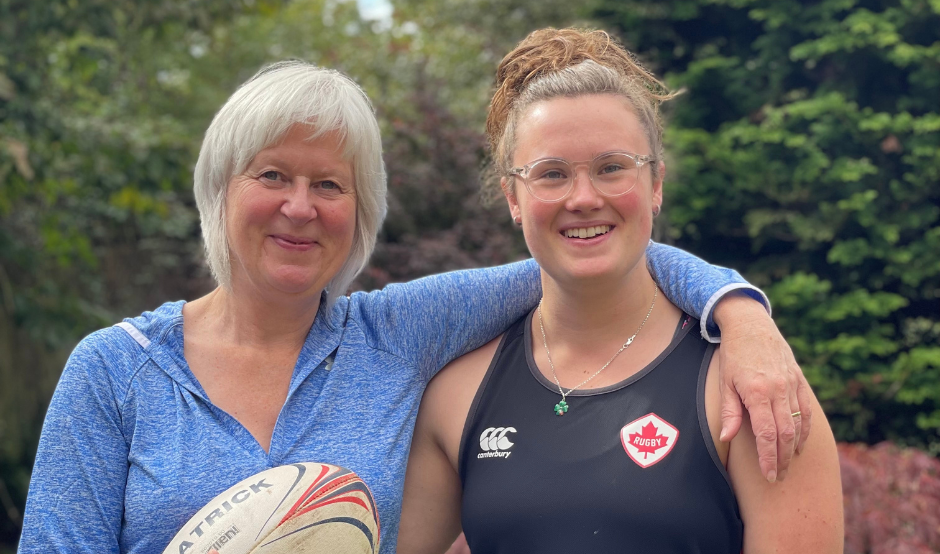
[(76, 493), (433, 320), (696, 286)]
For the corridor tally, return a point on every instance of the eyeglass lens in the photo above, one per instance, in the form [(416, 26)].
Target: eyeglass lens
[(612, 174)]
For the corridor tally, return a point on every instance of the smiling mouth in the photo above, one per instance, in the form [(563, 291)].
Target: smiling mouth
[(586, 232), (293, 241)]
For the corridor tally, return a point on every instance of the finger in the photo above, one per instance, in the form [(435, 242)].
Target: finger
[(794, 408), (804, 395), (793, 396), (732, 412), (765, 430), (786, 429)]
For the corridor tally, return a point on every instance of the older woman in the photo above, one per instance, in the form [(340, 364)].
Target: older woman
[(592, 425), (155, 416)]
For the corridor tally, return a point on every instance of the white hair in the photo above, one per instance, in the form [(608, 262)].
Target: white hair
[(259, 115)]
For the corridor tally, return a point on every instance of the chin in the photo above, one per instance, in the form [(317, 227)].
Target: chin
[(595, 271), (581, 275), (295, 281)]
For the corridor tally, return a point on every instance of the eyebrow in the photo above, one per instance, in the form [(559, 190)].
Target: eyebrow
[(594, 155)]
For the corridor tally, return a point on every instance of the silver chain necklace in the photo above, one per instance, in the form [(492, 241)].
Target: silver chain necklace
[(562, 407)]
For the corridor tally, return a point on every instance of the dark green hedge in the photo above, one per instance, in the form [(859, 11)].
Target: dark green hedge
[(806, 153)]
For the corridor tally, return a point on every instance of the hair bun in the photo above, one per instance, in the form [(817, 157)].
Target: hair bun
[(550, 50)]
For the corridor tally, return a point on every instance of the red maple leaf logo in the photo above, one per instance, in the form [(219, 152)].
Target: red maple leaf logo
[(648, 441)]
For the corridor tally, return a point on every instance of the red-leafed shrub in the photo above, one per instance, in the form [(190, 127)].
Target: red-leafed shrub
[(892, 500)]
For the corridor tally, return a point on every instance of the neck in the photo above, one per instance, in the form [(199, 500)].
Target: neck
[(590, 315), (248, 319)]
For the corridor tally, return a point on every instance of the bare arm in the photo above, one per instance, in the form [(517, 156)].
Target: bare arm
[(430, 519), (801, 514)]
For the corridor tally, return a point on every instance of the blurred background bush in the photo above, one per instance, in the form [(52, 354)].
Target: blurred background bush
[(805, 152)]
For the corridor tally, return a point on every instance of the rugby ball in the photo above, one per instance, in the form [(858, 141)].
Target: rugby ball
[(307, 508)]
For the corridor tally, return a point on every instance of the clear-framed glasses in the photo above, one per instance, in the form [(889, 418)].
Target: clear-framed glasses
[(611, 173)]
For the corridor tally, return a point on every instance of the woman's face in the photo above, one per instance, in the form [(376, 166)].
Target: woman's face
[(578, 129), (291, 216)]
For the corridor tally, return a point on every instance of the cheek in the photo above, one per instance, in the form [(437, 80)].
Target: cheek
[(245, 206), (538, 218), (248, 214), (636, 206), (340, 220), (538, 212), (632, 201)]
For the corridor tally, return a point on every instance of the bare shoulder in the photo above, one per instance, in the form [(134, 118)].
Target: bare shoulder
[(466, 369), (449, 395), (431, 501), (809, 499), (713, 407)]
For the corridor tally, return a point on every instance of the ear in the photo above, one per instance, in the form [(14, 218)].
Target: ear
[(514, 212), (658, 185)]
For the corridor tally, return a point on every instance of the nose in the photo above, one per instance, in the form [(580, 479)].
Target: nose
[(583, 196), (299, 203)]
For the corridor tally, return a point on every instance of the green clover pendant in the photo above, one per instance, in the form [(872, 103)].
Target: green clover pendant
[(561, 408)]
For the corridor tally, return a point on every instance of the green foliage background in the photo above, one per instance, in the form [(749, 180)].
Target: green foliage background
[(807, 155), (805, 152)]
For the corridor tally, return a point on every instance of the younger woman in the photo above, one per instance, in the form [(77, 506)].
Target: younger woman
[(592, 424)]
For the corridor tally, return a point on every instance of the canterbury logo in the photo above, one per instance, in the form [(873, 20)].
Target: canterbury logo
[(495, 443)]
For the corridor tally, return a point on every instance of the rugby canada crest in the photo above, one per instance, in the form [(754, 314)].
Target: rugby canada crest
[(648, 440)]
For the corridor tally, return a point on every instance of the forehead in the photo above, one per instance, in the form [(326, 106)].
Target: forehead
[(303, 145), (579, 128)]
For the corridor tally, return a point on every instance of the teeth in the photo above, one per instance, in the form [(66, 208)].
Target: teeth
[(587, 232)]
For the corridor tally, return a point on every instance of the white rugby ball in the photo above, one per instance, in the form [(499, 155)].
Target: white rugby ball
[(307, 508)]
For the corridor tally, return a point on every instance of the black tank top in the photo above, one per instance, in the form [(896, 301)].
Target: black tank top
[(631, 468)]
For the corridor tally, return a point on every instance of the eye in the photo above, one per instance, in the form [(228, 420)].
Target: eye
[(614, 166), (271, 176), (328, 188), (548, 174), (611, 168)]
